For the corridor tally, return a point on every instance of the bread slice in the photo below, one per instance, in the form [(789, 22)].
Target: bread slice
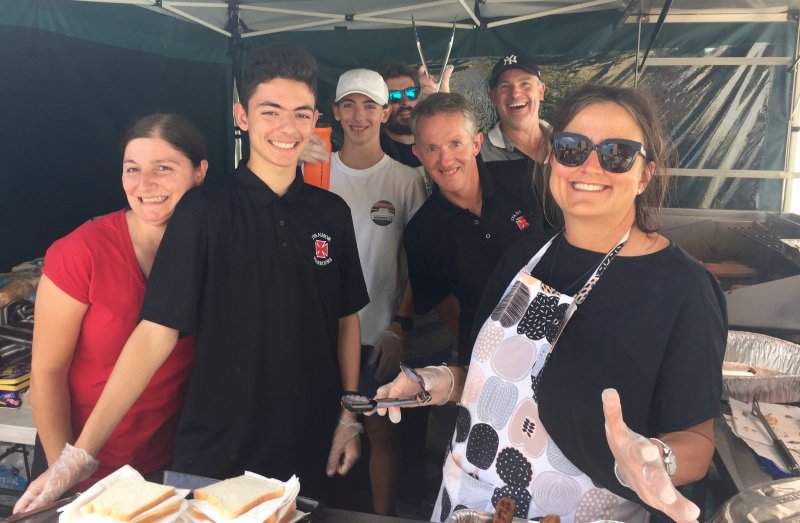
[(235, 496), (127, 498), (161, 512), (199, 514)]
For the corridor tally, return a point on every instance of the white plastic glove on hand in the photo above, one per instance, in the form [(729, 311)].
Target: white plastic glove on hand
[(427, 84), (345, 447), (639, 465), (315, 151), (389, 348), (72, 466), (438, 382)]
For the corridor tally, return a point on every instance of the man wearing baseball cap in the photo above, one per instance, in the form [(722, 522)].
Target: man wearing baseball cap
[(383, 195), (516, 90)]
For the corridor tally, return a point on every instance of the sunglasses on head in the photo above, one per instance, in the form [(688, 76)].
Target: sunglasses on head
[(616, 155), (396, 95)]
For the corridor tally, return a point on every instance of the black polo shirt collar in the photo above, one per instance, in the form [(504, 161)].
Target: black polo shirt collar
[(448, 209), (260, 192)]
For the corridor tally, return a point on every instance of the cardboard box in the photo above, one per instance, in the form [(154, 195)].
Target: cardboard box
[(14, 382)]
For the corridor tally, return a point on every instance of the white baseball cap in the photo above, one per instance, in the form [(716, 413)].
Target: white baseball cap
[(369, 83)]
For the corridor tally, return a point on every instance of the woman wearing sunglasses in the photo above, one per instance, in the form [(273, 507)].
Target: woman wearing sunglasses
[(595, 378)]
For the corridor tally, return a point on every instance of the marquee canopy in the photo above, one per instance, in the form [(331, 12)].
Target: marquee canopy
[(262, 17)]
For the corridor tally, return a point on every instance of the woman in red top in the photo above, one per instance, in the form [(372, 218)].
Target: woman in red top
[(89, 298)]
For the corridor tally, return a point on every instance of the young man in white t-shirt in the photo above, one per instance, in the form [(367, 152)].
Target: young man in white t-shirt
[(383, 195)]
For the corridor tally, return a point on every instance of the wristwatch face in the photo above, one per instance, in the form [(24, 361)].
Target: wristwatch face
[(669, 457), (669, 461)]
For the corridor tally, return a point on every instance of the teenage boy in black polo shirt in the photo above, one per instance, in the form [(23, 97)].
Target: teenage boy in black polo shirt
[(265, 272), (474, 214)]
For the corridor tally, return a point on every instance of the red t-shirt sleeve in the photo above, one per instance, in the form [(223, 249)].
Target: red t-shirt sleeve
[(69, 263)]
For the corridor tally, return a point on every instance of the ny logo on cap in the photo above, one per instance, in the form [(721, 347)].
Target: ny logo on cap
[(510, 59)]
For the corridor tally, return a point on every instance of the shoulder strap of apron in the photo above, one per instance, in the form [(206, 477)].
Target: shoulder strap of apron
[(580, 297)]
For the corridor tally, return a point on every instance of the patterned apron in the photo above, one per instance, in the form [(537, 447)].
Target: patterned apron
[(500, 448)]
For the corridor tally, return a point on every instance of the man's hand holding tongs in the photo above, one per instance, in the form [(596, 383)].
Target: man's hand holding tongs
[(428, 84), (427, 81), (437, 382)]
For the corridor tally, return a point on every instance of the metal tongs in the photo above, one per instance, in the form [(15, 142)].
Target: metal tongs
[(780, 446), (362, 404), (422, 57), (44, 514)]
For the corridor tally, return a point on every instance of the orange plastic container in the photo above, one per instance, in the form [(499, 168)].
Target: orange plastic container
[(319, 174)]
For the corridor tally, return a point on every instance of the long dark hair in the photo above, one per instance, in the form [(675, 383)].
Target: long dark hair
[(656, 144), (175, 129)]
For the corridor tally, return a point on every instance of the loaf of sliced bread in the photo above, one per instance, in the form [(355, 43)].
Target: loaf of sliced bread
[(127, 498), (235, 496)]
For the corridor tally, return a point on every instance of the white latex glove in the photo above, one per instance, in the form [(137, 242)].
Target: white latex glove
[(389, 348), (438, 382), (345, 447), (427, 84), (640, 467), (315, 151), (72, 466)]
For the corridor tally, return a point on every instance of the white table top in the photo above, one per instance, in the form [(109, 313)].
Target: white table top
[(16, 425)]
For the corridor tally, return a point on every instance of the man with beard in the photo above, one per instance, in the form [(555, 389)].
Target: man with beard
[(396, 138), (404, 93), (516, 90)]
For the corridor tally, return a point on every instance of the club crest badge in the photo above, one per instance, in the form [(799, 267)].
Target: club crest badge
[(520, 220), (322, 243)]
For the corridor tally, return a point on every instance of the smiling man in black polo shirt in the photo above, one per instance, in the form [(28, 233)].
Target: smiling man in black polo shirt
[(474, 214), (264, 271)]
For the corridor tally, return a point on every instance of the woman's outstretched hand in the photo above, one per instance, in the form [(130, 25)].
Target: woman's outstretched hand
[(639, 465)]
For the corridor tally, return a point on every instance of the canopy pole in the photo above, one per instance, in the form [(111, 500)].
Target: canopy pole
[(638, 47), (791, 193), (233, 26), (657, 29)]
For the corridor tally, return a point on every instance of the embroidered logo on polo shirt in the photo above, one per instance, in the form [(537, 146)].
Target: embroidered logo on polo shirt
[(321, 248), (382, 212), (520, 220)]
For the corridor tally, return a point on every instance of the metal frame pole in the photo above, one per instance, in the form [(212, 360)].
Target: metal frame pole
[(791, 193)]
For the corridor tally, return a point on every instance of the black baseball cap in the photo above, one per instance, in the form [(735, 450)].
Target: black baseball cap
[(513, 61)]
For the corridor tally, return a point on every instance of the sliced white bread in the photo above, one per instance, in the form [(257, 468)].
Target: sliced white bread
[(235, 496), (167, 508), (127, 498), (199, 514)]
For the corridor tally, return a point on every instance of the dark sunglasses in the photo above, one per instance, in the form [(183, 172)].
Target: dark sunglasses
[(396, 95), (616, 155)]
